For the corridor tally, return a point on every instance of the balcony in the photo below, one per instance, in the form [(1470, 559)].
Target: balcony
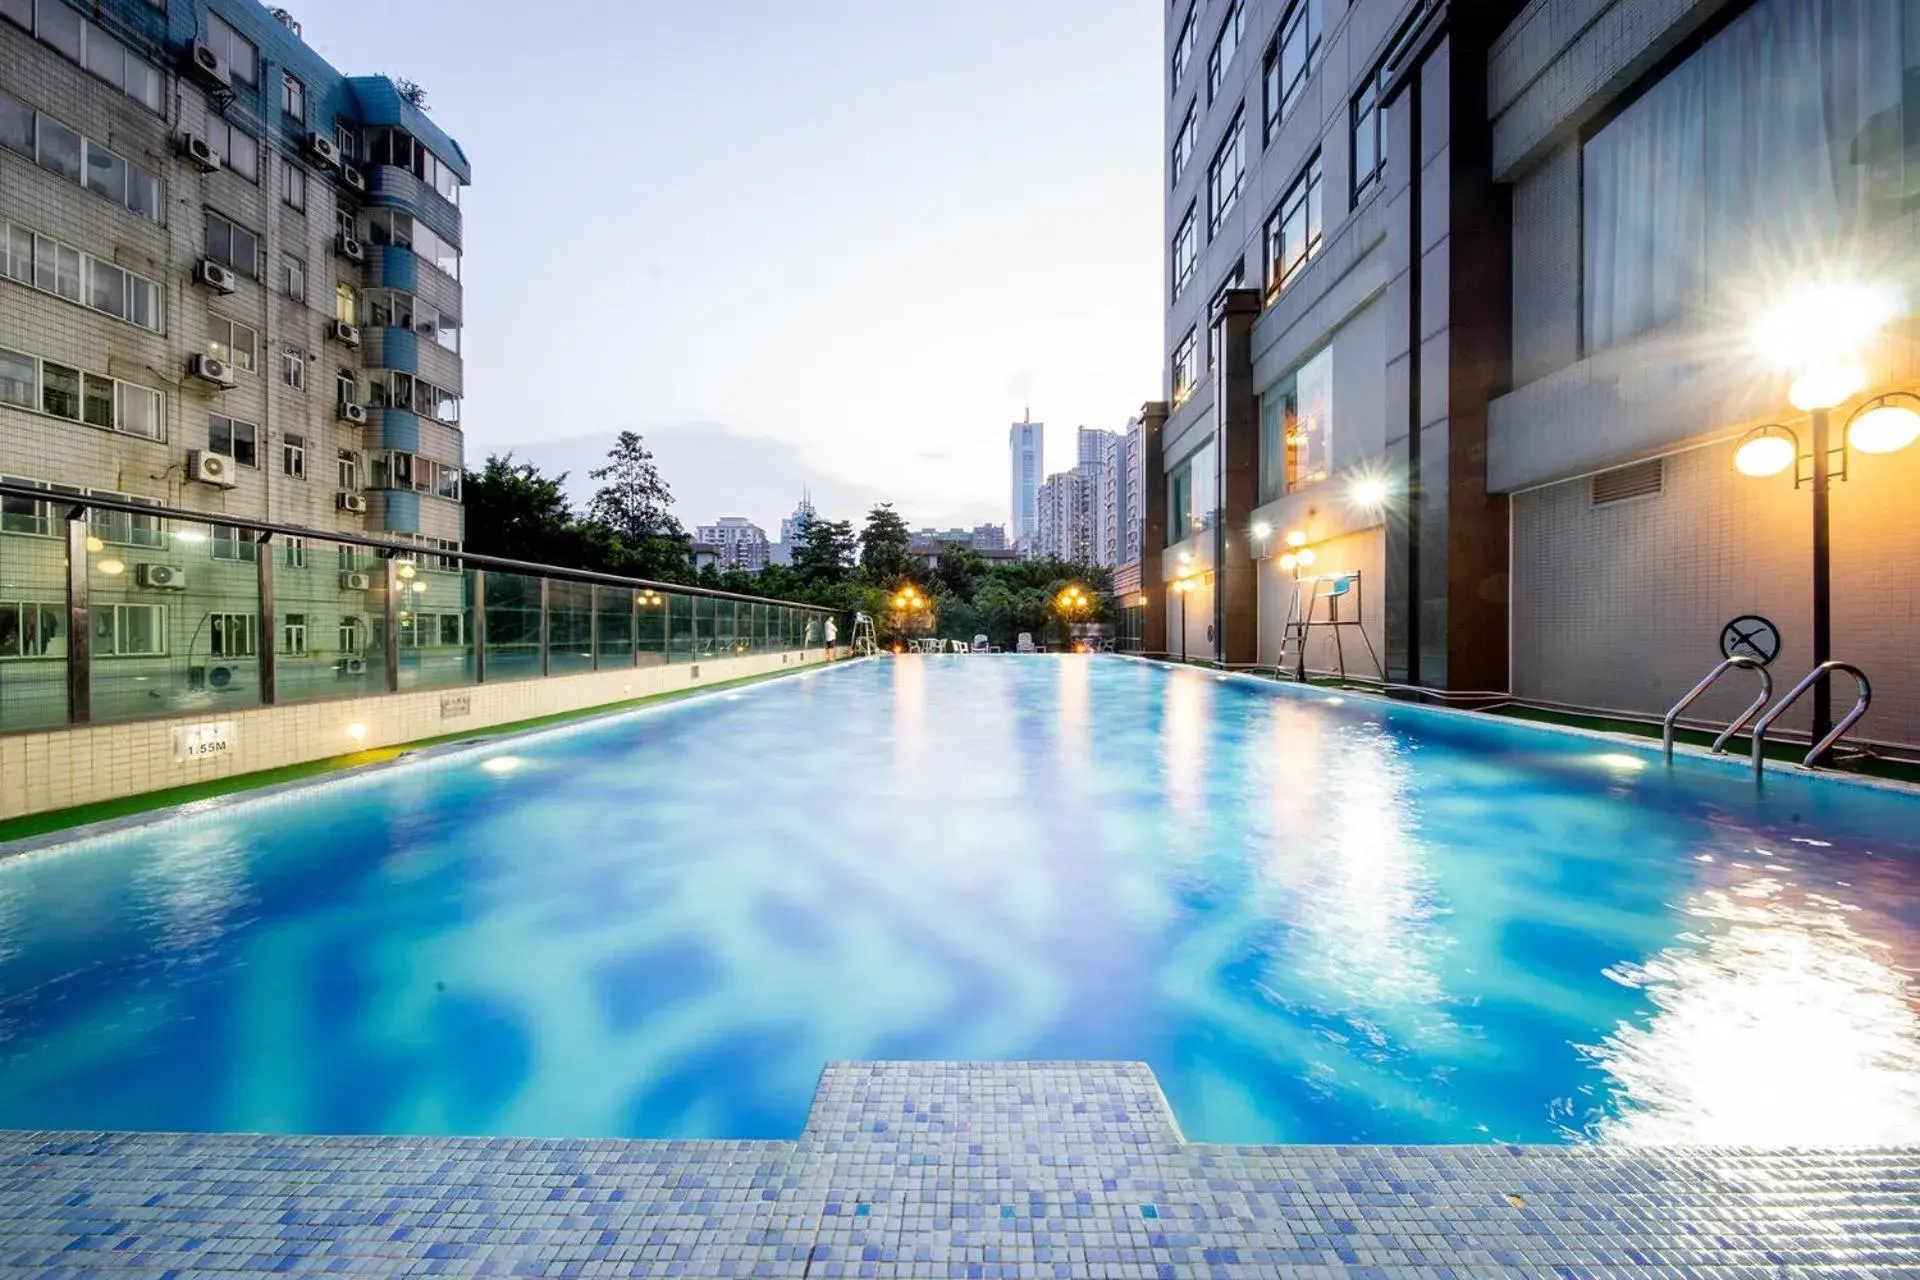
[(392, 187)]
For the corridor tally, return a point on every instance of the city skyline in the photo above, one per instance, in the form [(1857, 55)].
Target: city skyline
[(978, 241)]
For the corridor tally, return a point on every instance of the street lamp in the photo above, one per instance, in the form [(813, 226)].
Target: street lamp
[(1818, 335), (1072, 602), (1183, 583), (908, 601)]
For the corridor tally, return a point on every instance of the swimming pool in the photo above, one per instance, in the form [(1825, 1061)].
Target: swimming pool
[(1319, 919)]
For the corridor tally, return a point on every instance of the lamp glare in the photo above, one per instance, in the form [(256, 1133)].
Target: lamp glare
[(1884, 430), (1764, 455)]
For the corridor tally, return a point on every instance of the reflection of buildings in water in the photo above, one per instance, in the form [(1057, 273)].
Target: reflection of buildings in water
[(1784, 1026), (191, 887), (1345, 859)]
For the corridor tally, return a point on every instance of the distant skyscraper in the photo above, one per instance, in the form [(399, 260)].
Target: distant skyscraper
[(781, 552), (1026, 444), (741, 543)]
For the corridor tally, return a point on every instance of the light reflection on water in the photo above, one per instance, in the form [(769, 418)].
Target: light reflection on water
[(1318, 921)]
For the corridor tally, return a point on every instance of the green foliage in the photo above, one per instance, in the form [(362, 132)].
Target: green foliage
[(515, 512), (884, 555), (822, 551)]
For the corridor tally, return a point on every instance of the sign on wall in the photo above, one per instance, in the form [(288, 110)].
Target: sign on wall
[(1750, 636), (201, 741), (454, 705)]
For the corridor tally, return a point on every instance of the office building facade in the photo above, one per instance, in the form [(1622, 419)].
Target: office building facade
[(230, 283), (1027, 460), (738, 543), (1462, 298)]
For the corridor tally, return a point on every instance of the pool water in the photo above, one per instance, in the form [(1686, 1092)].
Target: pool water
[(1319, 919)]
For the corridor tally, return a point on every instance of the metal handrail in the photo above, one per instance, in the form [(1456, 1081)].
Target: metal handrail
[(1820, 748), (1753, 709)]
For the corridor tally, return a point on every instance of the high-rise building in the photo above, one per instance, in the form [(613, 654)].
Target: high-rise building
[(1026, 445), (230, 283), (990, 537), (1112, 493), (781, 552), (739, 542), (1528, 485)]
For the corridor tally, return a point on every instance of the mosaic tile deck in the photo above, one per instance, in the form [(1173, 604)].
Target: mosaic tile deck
[(967, 1170)]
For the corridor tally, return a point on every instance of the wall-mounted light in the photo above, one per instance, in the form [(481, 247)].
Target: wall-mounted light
[(1296, 538), (1369, 493), (356, 731)]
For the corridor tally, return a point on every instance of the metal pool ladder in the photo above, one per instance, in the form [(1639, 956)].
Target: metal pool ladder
[(1818, 750), (1753, 709)]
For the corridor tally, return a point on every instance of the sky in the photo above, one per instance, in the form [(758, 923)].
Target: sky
[(834, 244)]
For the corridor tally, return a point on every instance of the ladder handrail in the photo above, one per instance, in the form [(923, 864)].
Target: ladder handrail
[(1719, 743), (1820, 748)]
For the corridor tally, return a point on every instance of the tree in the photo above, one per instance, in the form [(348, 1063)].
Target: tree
[(515, 512), (958, 569), (822, 550), (634, 500), (884, 543)]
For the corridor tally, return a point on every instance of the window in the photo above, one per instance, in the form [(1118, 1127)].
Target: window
[(137, 411), (349, 470), (346, 303), (1185, 140), (293, 552), (353, 636), (293, 370), (59, 390), (1186, 369), (293, 278), (1224, 174), (1289, 62), (1191, 489), (240, 149), (233, 635), (230, 542), (233, 342), (30, 630), (347, 140), (1186, 249), (1183, 47), (1215, 340), (293, 455), (233, 244), (96, 401), (1293, 235), (67, 393), (131, 631), (243, 60), (293, 98), (1296, 422), (61, 150), (391, 227), (399, 148), (1225, 46), (41, 262), (234, 438), (293, 633), (293, 185), (126, 528), (345, 389), (16, 126), (19, 380), (86, 44), (349, 556), (1715, 178), (1369, 138), (30, 516)]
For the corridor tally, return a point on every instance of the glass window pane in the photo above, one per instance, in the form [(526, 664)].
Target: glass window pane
[(106, 288), (143, 193), (513, 626), (16, 126), (139, 411), (97, 408), (106, 57), (60, 149), (60, 27), (19, 380), (60, 390), (19, 11)]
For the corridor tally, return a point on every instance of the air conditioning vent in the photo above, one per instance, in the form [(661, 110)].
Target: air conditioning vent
[(345, 333), (208, 369), (352, 502), (324, 149), (351, 581), (203, 63), (350, 249), (354, 413), (200, 151), (353, 666), (217, 276), (161, 577), (211, 468), (1640, 480), (355, 180)]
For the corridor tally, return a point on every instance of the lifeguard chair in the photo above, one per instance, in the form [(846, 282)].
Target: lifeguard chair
[(1317, 602)]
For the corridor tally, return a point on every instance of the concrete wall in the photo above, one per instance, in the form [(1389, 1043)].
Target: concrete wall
[(59, 768)]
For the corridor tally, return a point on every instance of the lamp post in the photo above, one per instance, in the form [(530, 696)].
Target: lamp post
[(1072, 602), (1182, 584), (1818, 335), (906, 602)]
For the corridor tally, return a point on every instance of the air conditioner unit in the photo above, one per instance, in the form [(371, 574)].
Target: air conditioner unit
[(324, 149), (355, 180), (346, 333), (211, 468), (200, 151), (426, 329), (161, 577), (210, 677), (354, 413), (350, 249), (217, 276), (352, 502), (203, 62), (351, 581), (353, 666), (208, 369)]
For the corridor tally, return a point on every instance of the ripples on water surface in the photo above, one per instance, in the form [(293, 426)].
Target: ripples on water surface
[(1319, 921)]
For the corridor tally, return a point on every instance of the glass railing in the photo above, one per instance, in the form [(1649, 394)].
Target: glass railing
[(113, 610)]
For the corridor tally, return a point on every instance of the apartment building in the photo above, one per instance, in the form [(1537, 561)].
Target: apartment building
[(229, 283), (1463, 313), (738, 543)]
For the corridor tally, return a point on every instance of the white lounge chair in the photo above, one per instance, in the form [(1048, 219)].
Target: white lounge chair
[(980, 644), (1025, 643)]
